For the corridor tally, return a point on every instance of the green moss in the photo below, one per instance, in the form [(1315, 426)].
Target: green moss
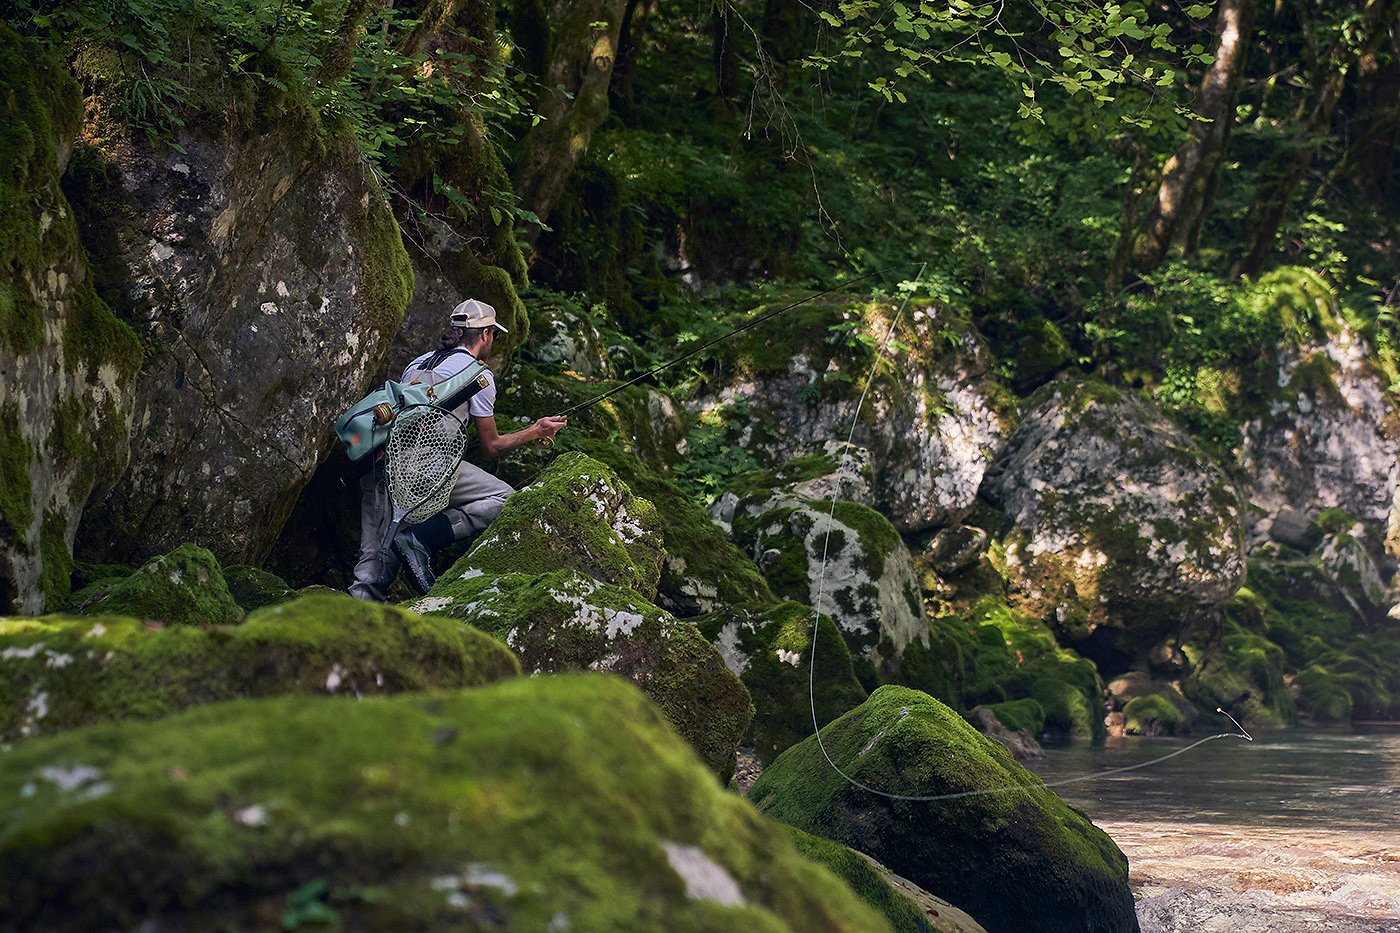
[(184, 587), (1244, 676), (536, 801), (771, 650), (252, 588), (386, 274), (1323, 695), (1067, 709), (862, 878), (62, 672), (1020, 715), (566, 621), (1152, 715), (1335, 521), (56, 559), (702, 565), (577, 514), (16, 494), (1068, 875)]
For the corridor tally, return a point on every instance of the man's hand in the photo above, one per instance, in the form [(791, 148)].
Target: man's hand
[(548, 427)]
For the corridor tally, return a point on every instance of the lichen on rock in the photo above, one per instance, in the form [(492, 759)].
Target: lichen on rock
[(1017, 859), (566, 620), (1124, 530), (846, 560), (62, 672), (536, 802)]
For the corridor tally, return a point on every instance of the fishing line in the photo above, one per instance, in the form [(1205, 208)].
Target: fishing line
[(821, 593)]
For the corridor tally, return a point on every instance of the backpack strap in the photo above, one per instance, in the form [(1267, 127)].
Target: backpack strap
[(436, 358)]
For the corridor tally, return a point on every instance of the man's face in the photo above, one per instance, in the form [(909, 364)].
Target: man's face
[(488, 340)]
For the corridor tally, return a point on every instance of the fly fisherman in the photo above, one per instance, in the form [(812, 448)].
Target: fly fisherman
[(477, 496)]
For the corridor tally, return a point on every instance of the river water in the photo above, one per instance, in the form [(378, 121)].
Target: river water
[(1296, 831)]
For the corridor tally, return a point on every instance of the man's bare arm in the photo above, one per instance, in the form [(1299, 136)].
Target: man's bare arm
[(493, 443)]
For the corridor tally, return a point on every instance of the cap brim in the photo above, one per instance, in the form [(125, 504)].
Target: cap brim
[(499, 327)]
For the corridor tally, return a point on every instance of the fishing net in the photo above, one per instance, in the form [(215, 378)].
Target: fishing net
[(424, 450)]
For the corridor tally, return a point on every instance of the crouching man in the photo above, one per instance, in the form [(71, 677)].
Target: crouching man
[(477, 496)]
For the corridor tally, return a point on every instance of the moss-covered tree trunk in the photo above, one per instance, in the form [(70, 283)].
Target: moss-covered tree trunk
[(582, 48), (1314, 124), (1189, 175)]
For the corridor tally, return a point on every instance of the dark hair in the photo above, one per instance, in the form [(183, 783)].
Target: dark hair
[(461, 336)]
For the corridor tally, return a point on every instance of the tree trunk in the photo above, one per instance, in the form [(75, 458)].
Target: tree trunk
[(582, 49), (629, 52), (1285, 172), (1187, 177), (1375, 125), (726, 52)]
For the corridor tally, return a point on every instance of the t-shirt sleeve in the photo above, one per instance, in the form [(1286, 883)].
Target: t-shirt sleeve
[(483, 403)]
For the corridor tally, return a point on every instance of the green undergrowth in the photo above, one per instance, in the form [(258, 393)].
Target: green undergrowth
[(1152, 715), (552, 800), (63, 672)]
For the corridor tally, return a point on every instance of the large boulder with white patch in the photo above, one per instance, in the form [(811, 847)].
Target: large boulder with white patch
[(933, 420), (1124, 530), (69, 365), (771, 652), (61, 672), (577, 514), (567, 621), (559, 803), (1002, 847), (267, 276), (849, 562)]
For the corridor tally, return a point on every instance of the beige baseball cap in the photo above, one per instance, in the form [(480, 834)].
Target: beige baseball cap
[(474, 313)]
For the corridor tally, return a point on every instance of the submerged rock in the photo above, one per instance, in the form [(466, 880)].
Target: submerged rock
[(568, 621), (541, 803), (771, 652), (1019, 859), (62, 672), (184, 587), (1124, 531), (67, 381)]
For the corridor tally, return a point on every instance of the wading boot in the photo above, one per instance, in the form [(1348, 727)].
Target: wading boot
[(416, 546)]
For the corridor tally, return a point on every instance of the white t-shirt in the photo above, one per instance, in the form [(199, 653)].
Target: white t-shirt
[(483, 403)]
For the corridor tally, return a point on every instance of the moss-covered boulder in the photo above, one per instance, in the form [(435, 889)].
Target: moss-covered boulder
[(576, 515), (933, 423), (184, 587), (1244, 675), (1125, 531), (771, 652), (253, 588), (568, 621), (62, 672), (561, 802), (268, 274), (1017, 859), (67, 383), (1147, 705), (850, 564)]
